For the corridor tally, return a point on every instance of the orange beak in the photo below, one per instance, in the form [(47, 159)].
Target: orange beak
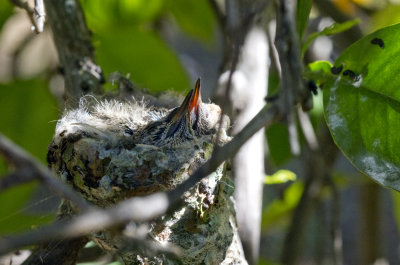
[(191, 101), (196, 99)]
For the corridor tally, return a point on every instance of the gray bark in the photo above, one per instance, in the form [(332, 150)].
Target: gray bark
[(249, 88), (75, 50)]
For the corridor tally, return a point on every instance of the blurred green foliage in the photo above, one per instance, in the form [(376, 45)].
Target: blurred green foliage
[(193, 16), (387, 16), (279, 148), (302, 15), (15, 215), (126, 39), (280, 209), (151, 64), (28, 115), (279, 177), (5, 10), (335, 28)]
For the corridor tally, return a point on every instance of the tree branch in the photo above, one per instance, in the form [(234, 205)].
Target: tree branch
[(20, 176), (58, 251), (287, 44), (36, 14), (25, 162), (75, 50)]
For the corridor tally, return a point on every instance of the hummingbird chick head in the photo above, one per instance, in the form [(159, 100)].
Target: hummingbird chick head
[(191, 120)]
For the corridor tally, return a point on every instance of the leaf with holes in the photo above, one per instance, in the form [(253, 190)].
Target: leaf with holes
[(362, 105)]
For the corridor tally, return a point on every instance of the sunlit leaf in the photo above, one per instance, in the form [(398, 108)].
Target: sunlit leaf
[(279, 177), (318, 71), (303, 13), (142, 10), (279, 209), (335, 28), (362, 105), (318, 107), (114, 13), (320, 66)]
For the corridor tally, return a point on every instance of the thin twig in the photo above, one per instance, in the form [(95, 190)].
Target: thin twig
[(57, 252), (328, 8), (287, 44), (20, 158), (20, 176), (307, 128), (271, 33), (75, 50), (36, 14), (336, 230), (292, 132), (40, 15), (218, 13)]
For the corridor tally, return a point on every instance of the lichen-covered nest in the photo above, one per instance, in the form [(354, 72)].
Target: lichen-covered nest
[(111, 150)]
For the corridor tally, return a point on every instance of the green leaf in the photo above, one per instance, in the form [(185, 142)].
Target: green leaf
[(320, 66), (303, 13), (13, 216), (277, 137), (279, 177), (114, 13), (279, 209), (142, 10), (6, 10), (319, 72), (335, 28), (390, 15), (28, 112), (28, 118), (142, 54), (362, 108), (193, 16)]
